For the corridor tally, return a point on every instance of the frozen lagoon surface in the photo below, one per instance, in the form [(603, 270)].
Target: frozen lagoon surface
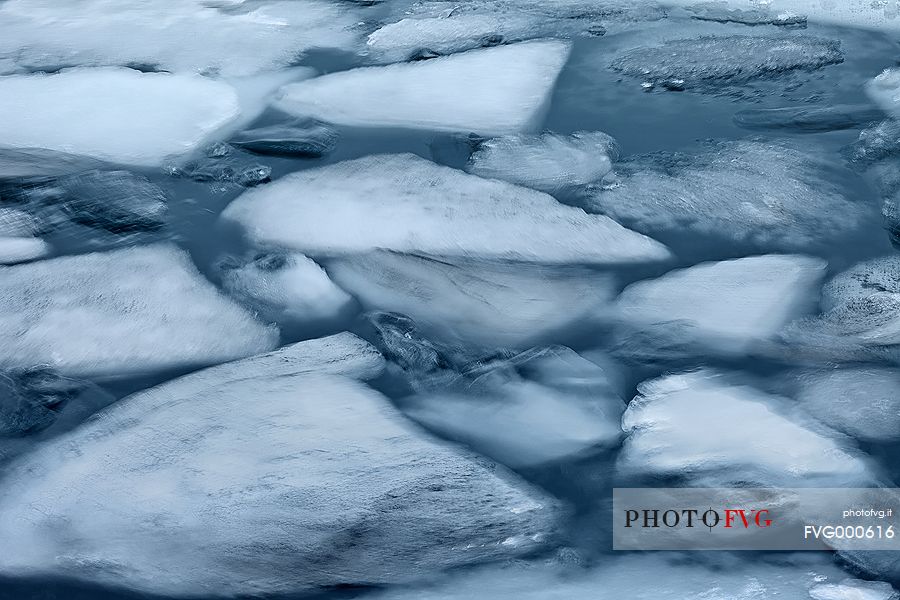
[(465, 267)]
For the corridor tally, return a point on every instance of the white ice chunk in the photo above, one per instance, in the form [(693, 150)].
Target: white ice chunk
[(114, 114), (287, 286), (269, 482), (186, 36), (863, 402), (730, 304), (703, 427), (548, 162), (854, 589), (20, 249), (479, 302), (640, 576), (493, 91), (552, 405), (127, 311), (408, 204)]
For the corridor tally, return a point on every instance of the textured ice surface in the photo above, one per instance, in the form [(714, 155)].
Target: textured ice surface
[(727, 305), (722, 12), (306, 139), (284, 286), (760, 195), (707, 63), (118, 201), (548, 162), (863, 280), (114, 114), (221, 165), (885, 91), (480, 302), (270, 481), (538, 406), (853, 589), (134, 310), (702, 427), (863, 402), (493, 91), (811, 119), (234, 38), (381, 202), (27, 163), (648, 576)]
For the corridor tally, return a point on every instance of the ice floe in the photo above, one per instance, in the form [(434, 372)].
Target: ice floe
[(725, 306), (761, 196), (306, 139), (478, 302), (380, 202), (809, 118), (538, 406), (122, 312), (493, 91), (114, 114), (272, 480), (713, 432), (286, 286), (189, 36), (548, 162)]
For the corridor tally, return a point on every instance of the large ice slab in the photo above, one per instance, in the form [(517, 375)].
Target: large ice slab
[(480, 302), (716, 433), (761, 196), (493, 91), (548, 162), (654, 576), (863, 401), (127, 311), (726, 306), (267, 480), (188, 36), (708, 63), (539, 406), (114, 114), (380, 202)]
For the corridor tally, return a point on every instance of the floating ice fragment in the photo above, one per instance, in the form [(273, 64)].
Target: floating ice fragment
[(477, 302), (809, 119), (129, 311), (113, 114), (548, 162), (384, 202), (721, 12), (493, 91), (261, 477), (304, 139), (854, 589), (715, 433), (284, 286)]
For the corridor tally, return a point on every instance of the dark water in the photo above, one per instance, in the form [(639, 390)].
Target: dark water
[(588, 96)]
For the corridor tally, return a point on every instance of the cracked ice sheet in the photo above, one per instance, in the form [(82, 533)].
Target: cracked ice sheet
[(380, 202), (492, 91), (183, 36)]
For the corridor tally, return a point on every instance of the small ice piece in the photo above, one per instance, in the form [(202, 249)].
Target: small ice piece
[(114, 114), (261, 476), (494, 91), (643, 576), (539, 406), (380, 202), (711, 62), (729, 305), (304, 139), (189, 36), (854, 589), (721, 12), (118, 201), (884, 90), (876, 143), (284, 286), (21, 249), (402, 344), (115, 313), (478, 302), (220, 164), (549, 162), (715, 433), (809, 119), (863, 402), (760, 196)]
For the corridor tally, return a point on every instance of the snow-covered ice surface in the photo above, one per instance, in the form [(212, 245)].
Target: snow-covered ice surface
[(490, 91), (378, 202), (332, 299), (120, 313), (259, 477)]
